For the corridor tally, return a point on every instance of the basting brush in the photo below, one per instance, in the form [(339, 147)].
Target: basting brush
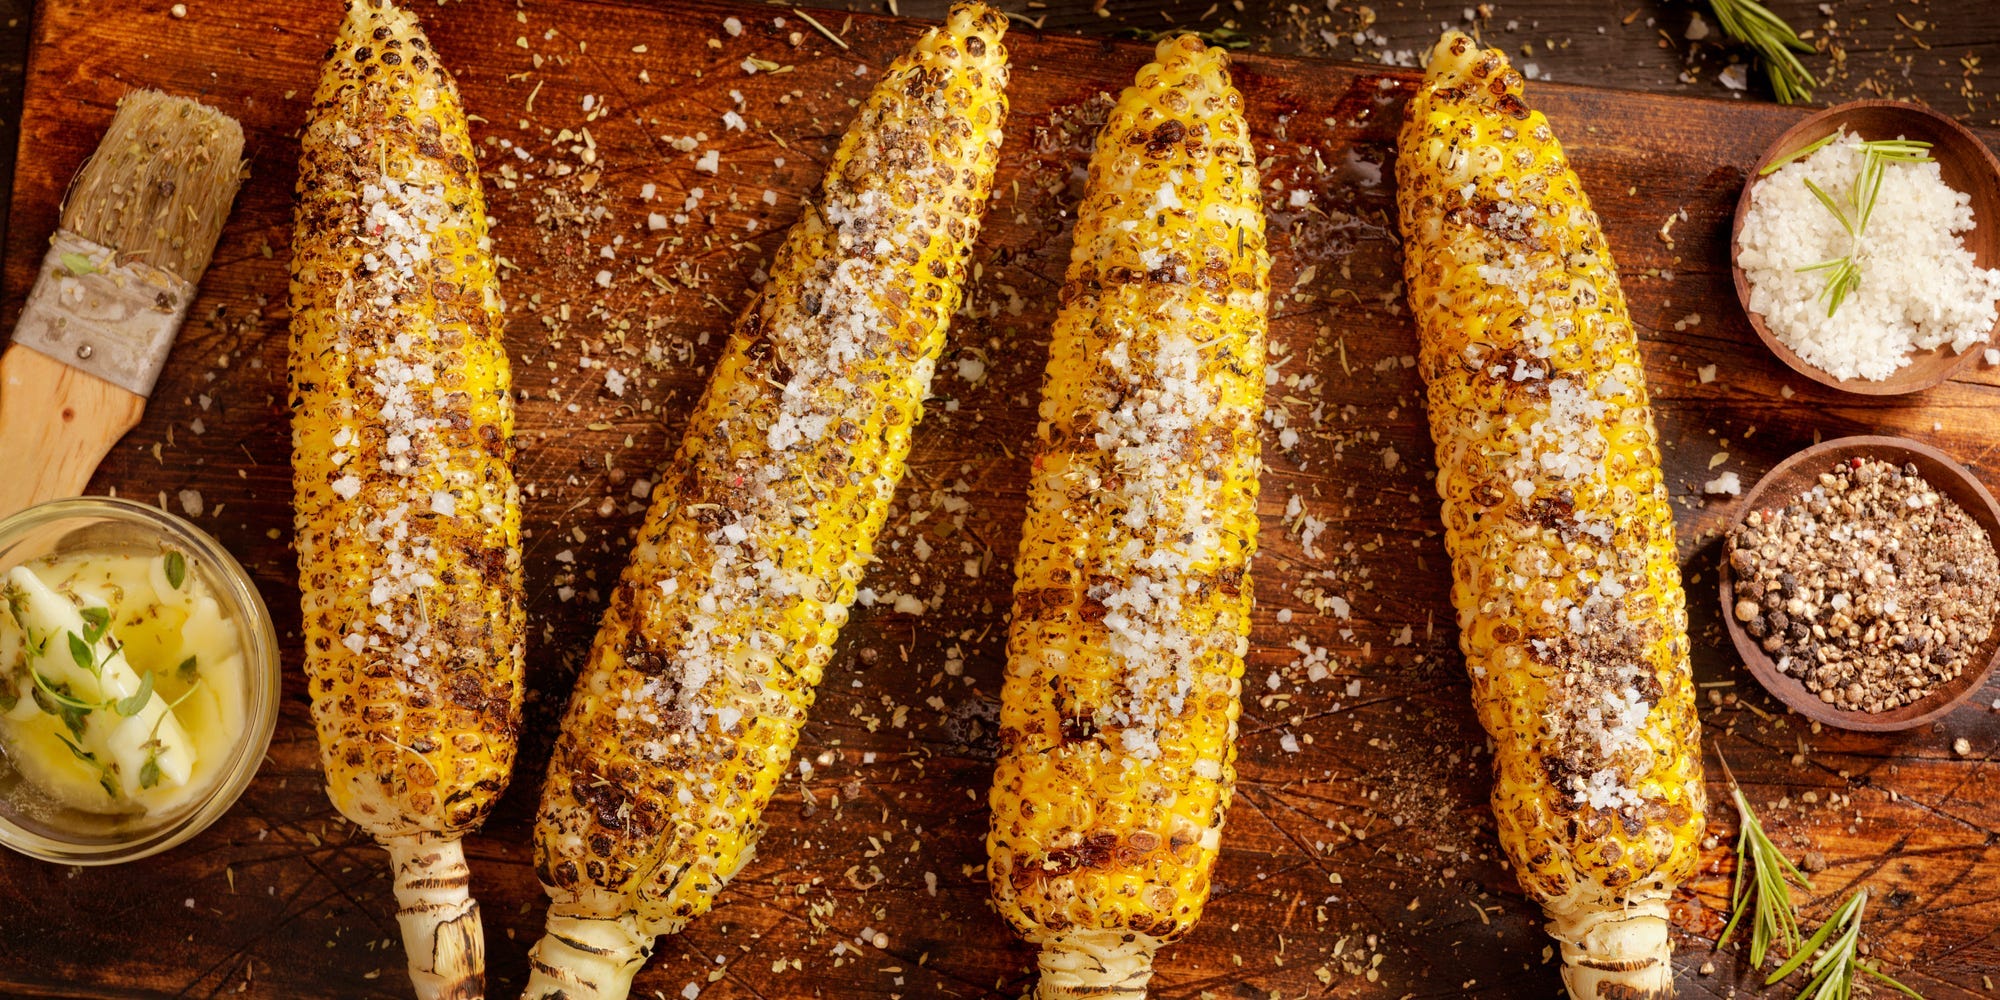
[(138, 228)]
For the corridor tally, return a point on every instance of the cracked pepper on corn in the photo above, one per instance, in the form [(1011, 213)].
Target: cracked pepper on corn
[(1131, 607), (1570, 608), (687, 710), (402, 444)]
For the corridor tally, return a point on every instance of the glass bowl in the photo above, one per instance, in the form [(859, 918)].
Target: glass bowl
[(33, 822)]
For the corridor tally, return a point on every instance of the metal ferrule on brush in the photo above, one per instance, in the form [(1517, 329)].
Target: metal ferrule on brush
[(111, 318)]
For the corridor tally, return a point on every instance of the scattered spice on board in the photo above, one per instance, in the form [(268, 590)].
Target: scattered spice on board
[(1872, 588)]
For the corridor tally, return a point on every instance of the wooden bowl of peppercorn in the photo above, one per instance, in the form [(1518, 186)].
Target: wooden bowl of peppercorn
[(1753, 633)]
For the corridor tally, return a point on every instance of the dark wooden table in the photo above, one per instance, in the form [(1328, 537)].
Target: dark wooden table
[(1928, 50), (1359, 859)]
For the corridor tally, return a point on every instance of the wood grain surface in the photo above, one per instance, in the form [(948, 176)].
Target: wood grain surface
[(1359, 859)]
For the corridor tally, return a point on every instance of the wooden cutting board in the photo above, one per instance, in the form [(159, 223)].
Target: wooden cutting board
[(1359, 857)]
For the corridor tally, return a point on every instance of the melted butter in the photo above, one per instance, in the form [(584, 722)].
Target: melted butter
[(121, 680)]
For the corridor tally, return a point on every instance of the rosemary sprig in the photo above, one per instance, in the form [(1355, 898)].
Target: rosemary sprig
[(1876, 154), (1803, 151), (1774, 41), (1839, 962), (1767, 894)]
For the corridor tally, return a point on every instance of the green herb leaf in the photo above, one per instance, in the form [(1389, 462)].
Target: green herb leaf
[(131, 706), (81, 754), (1876, 155), (1767, 895), (77, 264), (186, 671), (17, 603), (79, 651), (1803, 151), (153, 735), (149, 772), (105, 780), (1889, 980), (61, 695), (176, 567), (1834, 951), (1827, 200), (95, 622), (8, 698), (1774, 41), (60, 703)]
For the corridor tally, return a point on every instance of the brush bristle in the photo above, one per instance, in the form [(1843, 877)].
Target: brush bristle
[(160, 185)]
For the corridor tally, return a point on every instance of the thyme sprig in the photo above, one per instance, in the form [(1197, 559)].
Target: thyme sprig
[(1839, 961), (1844, 273), (1767, 895), (1774, 41), (149, 771)]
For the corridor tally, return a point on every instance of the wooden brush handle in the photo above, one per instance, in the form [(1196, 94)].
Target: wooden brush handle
[(56, 425)]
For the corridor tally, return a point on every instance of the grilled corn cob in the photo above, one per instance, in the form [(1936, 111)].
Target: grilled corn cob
[(1570, 609), (1131, 608), (687, 710), (407, 516)]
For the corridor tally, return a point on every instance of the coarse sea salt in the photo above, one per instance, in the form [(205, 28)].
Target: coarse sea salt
[(1919, 289)]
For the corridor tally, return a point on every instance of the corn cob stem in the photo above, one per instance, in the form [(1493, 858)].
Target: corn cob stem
[(582, 956), (1565, 572), (1091, 964), (1131, 602), (1615, 954), (706, 662), (440, 920)]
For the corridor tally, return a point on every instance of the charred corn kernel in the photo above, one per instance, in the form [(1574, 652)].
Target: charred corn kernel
[(1569, 599), (402, 429), (1131, 609), (687, 710)]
